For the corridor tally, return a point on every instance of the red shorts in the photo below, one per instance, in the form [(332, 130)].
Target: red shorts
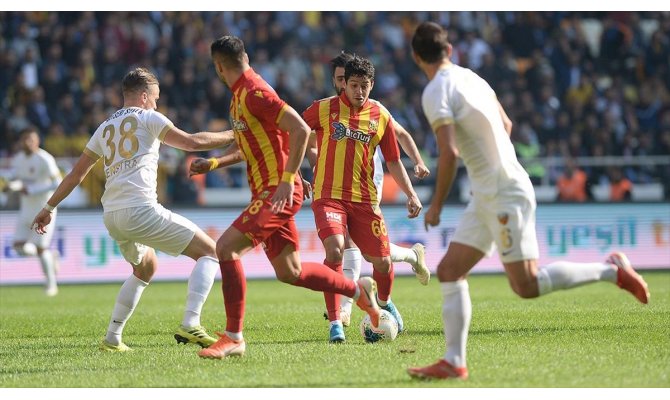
[(262, 226), (365, 223)]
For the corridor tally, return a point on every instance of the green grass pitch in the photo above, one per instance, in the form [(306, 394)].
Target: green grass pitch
[(594, 336)]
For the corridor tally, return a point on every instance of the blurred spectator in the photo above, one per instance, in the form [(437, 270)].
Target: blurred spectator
[(572, 184), (620, 187)]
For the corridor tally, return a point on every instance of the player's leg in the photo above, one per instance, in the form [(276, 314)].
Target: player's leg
[(472, 240), (229, 250), (369, 232), (202, 249), (351, 268), (47, 257), (331, 219), (415, 256), (144, 266)]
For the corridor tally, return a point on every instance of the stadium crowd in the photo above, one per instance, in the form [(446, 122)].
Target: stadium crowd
[(576, 84)]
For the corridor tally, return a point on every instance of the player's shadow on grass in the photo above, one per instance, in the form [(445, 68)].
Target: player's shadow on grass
[(524, 330)]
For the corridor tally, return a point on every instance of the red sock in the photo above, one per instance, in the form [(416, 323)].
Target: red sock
[(234, 286), (384, 283), (320, 278), (332, 299)]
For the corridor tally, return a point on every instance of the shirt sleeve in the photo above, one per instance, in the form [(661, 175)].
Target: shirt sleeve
[(158, 125), (436, 106), (311, 116), (93, 148), (389, 143), (266, 105)]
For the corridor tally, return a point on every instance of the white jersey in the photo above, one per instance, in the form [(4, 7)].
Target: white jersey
[(378, 177), (39, 175), (128, 142), (459, 96)]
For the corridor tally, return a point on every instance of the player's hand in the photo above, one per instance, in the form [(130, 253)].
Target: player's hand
[(413, 206), (432, 217), (421, 171), (283, 197), (306, 189), (199, 166), (41, 221)]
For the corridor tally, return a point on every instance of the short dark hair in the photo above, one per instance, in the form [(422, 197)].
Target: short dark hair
[(28, 130), (138, 80), (359, 66), (430, 42), (340, 61), (230, 50)]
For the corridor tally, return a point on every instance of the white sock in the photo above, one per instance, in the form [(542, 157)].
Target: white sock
[(126, 301), (27, 249), (47, 261), (456, 316), (351, 268), (565, 275), (199, 284), (234, 335), (402, 254)]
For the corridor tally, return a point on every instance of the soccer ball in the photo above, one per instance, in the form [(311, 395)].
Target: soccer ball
[(387, 329)]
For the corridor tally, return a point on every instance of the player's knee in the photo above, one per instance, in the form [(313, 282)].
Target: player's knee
[(525, 290), (382, 265), (288, 276), (223, 251), (334, 254)]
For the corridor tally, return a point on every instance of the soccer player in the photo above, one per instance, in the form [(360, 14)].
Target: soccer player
[(271, 137), (347, 129), (351, 257), (34, 175), (470, 123), (128, 143)]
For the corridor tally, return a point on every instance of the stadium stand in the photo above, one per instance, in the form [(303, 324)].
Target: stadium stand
[(588, 86)]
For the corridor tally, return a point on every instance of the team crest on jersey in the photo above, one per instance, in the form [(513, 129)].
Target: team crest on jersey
[(340, 131), (374, 125), (239, 125), (503, 218)]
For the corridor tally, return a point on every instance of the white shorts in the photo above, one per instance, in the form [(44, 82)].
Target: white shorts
[(24, 232), (137, 229), (507, 222)]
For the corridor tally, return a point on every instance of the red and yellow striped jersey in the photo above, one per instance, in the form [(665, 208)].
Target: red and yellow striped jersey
[(255, 112), (346, 142)]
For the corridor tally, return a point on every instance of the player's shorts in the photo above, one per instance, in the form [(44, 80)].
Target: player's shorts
[(274, 231), (137, 229), (506, 222), (365, 224), (25, 233)]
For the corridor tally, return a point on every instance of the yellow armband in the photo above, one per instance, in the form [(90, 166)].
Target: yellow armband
[(214, 162), (287, 177)]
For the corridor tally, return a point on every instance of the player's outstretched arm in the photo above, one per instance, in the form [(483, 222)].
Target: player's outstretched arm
[(409, 147), (71, 181), (232, 155), (200, 141), (399, 174)]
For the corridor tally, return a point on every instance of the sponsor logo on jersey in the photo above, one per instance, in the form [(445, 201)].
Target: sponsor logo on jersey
[(341, 132), (333, 216), (239, 125)]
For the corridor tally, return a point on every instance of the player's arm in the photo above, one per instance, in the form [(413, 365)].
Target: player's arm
[(408, 145), (232, 155), (447, 165), (51, 184), (506, 121), (71, 181), (312, 152), (200, 141), (299, 132)]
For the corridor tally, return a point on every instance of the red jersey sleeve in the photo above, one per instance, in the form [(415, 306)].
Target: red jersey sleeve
[(265, 104), (311, 115), (389, 144)]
